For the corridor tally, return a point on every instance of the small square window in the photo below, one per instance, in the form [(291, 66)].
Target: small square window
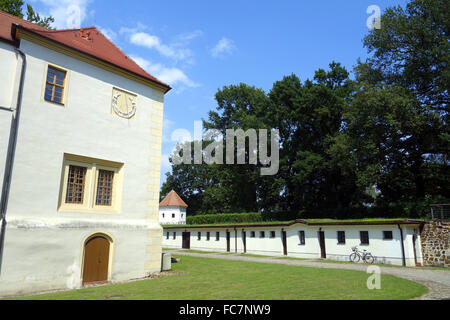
[(272, 234), (387, 235), (364, 236), (301, 237), (341, 237), (262, 234)]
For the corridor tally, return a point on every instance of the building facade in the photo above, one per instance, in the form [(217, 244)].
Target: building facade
[(390, 242), (172, 209), (80, 152)]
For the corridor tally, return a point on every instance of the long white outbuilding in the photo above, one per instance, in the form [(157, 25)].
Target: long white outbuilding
[(394, 242)]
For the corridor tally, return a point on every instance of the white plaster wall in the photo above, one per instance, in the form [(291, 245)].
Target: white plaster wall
[(50, 256), (385, 251), (168, 211), (8, 70), (86, 127)]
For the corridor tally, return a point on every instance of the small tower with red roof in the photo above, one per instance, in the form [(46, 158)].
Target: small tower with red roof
[(172, 209)]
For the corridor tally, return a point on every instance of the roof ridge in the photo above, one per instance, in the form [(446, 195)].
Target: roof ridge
[(72, 29), (126, 56)]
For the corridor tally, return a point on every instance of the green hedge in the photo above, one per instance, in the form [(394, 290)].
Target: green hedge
[(224, 218)]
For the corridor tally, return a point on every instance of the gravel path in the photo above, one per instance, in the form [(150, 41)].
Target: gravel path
[(437, 281)]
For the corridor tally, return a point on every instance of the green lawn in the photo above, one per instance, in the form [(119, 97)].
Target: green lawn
[(214, 279)]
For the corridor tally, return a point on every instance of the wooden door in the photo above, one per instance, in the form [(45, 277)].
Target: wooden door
[(186, 240), (284, 240), (322, 244), (228, 241), (96, 260), (244, 240)]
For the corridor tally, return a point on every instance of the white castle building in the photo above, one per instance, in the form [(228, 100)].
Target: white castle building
[(80, 154)]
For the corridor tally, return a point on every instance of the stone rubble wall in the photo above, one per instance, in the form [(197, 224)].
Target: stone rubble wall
[(435, 243)]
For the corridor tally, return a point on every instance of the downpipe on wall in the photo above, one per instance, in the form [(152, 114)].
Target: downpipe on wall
[(9, 163)]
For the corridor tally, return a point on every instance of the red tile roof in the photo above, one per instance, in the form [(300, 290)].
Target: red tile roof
[(172, 200), (86, 40)]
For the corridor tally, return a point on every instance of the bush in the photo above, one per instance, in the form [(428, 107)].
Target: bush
[(224, 218)]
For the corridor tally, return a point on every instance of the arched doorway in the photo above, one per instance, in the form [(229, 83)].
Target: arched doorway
[(96, 260)]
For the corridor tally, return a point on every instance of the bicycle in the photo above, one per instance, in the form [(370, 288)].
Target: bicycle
[(356, 256)]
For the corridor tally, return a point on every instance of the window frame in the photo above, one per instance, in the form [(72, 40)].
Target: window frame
[(64, 87), (301, 237), (391, 235), (340, 232), (361, 238), (93, 166)]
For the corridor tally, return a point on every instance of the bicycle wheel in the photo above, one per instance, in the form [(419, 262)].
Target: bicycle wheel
[(354, 257), (369, 258)]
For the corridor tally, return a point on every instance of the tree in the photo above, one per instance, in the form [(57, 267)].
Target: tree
[(14, 7), (402, 102)]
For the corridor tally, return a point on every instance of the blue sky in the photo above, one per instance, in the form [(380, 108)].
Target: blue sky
[(200, 46)]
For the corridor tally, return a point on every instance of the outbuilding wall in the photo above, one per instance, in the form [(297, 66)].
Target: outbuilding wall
[(388, 251)]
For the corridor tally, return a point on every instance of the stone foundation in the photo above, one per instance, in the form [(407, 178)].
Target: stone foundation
[(435, 243)]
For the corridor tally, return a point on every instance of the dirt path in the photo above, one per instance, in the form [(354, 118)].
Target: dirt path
[(437, 281)]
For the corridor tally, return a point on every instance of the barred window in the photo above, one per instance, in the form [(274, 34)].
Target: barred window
[(387, 235), (54, 86), (364, 235), (341, 237), (104, 187), (301, 237), (75, 184)]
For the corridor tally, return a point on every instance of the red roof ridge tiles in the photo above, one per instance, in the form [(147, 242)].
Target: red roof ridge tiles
[(172, 200), (96, 45)]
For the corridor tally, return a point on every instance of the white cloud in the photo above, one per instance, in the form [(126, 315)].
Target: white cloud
[(67, 13), (153, 42), (168, 75), (110, 34), (224, 46)]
